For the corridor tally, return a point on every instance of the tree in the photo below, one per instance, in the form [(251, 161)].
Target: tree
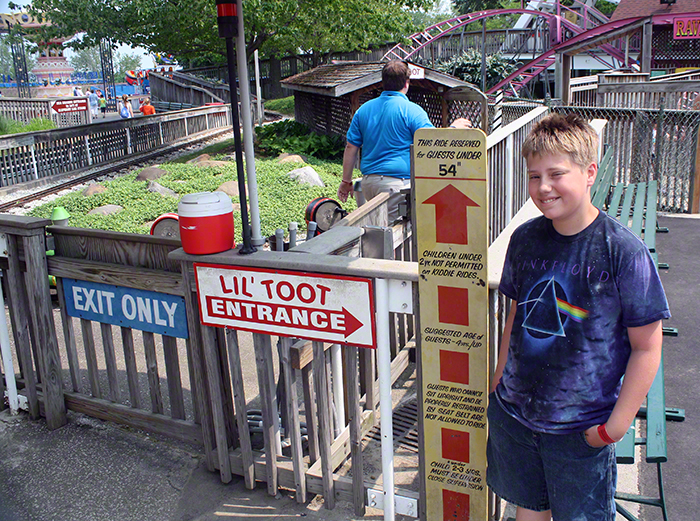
[(7, 66), (86, 60), (472, 6), (189, 30), (125, 62)]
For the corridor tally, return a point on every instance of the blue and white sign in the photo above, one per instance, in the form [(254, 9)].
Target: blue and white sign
[(128, 307)]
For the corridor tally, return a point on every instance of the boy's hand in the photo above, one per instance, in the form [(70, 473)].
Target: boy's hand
[(593, 438)]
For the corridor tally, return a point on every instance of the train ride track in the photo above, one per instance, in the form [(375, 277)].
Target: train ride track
[(91, 174)]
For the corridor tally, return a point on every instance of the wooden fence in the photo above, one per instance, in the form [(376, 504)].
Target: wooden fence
[(37, 155), (678, 94), (24, 110)]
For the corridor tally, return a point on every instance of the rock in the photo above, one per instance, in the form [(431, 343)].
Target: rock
[(150, 173), (212, 163), (290, 158), (306, 175), (160, 189), (94, 189), (107, 209), (230, 188), (198, 159)]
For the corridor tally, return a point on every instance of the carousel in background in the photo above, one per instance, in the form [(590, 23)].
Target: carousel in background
[(52, 73)]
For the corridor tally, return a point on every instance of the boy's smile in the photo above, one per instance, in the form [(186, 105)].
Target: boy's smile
[(561, 190)]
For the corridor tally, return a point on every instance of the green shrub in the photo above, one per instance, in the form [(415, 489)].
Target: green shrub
[(295, 138), (282, 105)]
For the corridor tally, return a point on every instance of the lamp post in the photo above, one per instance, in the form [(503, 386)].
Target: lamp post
[(227, 18)]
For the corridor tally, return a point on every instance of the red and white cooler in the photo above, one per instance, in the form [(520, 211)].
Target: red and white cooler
[(206, 223)]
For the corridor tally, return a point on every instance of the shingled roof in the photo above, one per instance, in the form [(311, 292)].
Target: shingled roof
[(635, 8), (338, 79)]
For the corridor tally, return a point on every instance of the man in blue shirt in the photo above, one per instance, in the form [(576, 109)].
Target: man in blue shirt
[(383, 128)]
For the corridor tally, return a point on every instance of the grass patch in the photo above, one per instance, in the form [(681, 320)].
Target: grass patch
[(10, 126), (282, 105), (281, 199)]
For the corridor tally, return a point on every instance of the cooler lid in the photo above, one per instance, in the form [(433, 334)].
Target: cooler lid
[(204, 204)]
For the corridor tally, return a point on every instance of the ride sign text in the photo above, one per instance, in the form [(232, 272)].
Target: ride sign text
[(298, 304)]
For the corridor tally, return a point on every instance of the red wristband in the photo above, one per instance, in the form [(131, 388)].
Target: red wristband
[(603, 433)]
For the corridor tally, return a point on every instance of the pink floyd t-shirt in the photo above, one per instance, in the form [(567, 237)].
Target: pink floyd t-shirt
[(576, 297)]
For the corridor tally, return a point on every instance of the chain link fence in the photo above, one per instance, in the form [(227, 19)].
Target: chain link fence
[(652, 144)]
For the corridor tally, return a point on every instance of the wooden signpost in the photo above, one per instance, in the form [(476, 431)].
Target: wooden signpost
[(451, 232)]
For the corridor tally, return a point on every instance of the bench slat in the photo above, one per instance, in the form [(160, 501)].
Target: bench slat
[(603, 181), (650, 224), (627, 205), (656, 419), (624, 449), (615, 201), (638, 213)]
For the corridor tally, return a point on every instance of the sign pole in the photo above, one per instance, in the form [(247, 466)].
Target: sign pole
[(385, 405), (227, 19)]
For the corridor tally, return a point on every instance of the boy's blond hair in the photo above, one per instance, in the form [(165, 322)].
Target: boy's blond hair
[(559, 134)]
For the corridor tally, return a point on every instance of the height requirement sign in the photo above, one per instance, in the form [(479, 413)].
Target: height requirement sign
[(451, 212)]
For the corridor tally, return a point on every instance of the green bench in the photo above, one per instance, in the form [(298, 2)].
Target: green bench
[(656, 414), (635, 206)]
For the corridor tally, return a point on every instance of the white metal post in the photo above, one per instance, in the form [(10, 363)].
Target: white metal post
[(7, 361), (247, 123), (338, 398), (510, 166), (385, 404), (258, 90)]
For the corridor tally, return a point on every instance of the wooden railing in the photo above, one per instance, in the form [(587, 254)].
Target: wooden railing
[(24, 110), (37, 155)]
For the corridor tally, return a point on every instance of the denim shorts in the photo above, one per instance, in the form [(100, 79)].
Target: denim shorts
[(538, 471)]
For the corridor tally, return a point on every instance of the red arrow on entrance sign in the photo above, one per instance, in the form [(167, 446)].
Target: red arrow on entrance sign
[(331, 321), (451, 215)]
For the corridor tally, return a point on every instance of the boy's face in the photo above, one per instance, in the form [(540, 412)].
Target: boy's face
[(561, 190)]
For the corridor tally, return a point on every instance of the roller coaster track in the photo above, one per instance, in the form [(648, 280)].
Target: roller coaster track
[(558, 23), (547, 58)]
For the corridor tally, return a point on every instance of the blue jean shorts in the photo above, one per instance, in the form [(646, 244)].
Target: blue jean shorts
[(561, 472)]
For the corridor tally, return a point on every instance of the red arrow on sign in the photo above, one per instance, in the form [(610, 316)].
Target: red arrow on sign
[(451, 215), (331, 321)]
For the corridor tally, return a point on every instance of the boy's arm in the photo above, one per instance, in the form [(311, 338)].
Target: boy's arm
[(639, 375), (505, 344)]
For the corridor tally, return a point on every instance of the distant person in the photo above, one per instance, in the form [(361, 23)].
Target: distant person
[(147, 109), (77, 91), (103, 106), (94, 102), (125, 110)]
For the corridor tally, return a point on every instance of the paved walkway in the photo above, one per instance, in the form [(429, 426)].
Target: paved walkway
[(90, 470)]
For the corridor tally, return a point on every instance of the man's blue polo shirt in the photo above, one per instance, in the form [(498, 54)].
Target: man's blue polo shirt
[(384, 128)]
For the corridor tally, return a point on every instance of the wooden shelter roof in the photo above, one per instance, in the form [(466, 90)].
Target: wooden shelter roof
[(632, 8), (339, 79)]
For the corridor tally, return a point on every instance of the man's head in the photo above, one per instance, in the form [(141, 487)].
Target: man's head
[(395, 74), (558, 134), (561, 163)]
